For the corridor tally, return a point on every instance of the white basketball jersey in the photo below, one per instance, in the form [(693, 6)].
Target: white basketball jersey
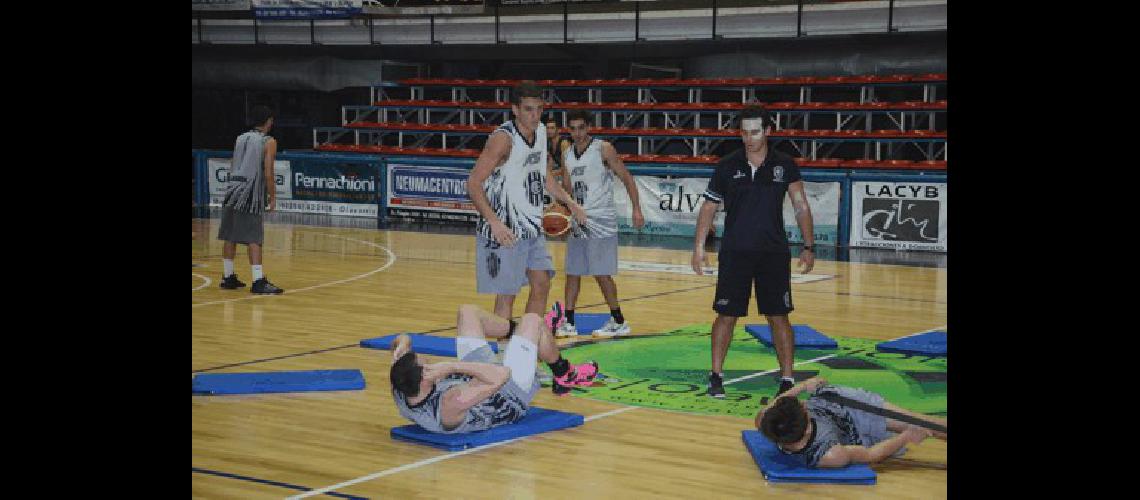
[(515, 188), (592, 188)]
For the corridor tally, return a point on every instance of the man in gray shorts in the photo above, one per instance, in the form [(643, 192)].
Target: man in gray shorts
[(824, 433), (476, 393), (506, 186), (589, 168), (245, 202)]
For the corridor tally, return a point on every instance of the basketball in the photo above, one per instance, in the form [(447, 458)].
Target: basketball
[(556, 220)]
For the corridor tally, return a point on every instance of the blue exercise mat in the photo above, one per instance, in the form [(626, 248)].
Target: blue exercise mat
[(536, 421), (266, 382), (806, 336), (586, 323), (778, 467), (426, 344), (926, 344)]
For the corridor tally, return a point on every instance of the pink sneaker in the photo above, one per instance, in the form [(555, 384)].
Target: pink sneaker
[(579, 375), (555, 317)]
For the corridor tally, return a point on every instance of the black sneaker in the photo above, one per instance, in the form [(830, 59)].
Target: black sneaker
[(231, 282), (264, 287), (784, 386), (716, 386)]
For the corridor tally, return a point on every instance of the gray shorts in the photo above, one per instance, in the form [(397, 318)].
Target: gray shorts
[(873, 428), (502, 270), (512, 391), (591, 256), (241, 227)]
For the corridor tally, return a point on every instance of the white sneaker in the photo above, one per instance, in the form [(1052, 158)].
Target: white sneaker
[(566, 330), (612, 329)]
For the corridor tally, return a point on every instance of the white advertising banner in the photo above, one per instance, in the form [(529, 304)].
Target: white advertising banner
[(899, 215), (823, 198), (218, 172), (429, 192), (670, 207)]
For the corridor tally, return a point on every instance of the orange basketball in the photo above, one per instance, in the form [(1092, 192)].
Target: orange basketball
[(554, 221)]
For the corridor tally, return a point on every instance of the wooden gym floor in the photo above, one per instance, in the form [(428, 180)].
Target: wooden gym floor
[(344, 284)]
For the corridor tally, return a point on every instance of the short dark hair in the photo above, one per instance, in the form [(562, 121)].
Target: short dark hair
[(756, 111), (784, 422), (579, 114), (259, 115), (406, 375), (525, 88)]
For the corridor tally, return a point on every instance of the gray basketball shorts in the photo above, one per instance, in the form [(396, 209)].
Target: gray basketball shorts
[(241, 227), (591, 256), (513, 391), (872, 428), (502, 270)]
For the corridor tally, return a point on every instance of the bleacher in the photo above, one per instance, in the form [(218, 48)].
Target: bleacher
[(838, 122)]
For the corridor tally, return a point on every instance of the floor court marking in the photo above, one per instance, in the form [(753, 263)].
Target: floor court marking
[(469, 451), (440, 458), (203, 285), (240, 477), (391, 260)]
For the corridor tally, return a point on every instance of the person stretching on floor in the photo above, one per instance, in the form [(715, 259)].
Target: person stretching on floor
[(475, 393), (823, 433)]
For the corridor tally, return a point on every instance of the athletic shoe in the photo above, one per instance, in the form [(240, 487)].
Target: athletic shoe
[(558, 389), (784, 386), (556, 317), (579, 375), (612, 329), (716, 386), (566, 330), (231, 282), (264, 287)]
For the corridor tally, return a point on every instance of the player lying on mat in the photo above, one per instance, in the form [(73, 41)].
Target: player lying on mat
[(824, 433), (476, 393)]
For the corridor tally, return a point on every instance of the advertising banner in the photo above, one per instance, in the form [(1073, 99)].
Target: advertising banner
[(306, 9), (670, 207), (220, 5), (899, 215), (429, 193), (823, 198), (333, 188), (218, 173)]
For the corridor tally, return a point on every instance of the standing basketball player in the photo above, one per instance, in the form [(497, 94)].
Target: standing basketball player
[(590, 166), (251, 176), (506, 187), (556, 145)]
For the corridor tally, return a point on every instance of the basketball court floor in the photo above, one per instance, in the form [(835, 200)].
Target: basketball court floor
[(649, 432)]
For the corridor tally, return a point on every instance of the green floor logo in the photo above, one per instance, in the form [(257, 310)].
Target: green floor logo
[(670, 371)]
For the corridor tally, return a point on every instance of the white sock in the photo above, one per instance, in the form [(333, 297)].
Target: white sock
[(227, 267), (256, 272), (789, 379)]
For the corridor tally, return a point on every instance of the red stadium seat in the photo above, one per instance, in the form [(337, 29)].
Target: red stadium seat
[(859, 163), (929, 77), (930, 164), (897, 164), (886, 133)]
